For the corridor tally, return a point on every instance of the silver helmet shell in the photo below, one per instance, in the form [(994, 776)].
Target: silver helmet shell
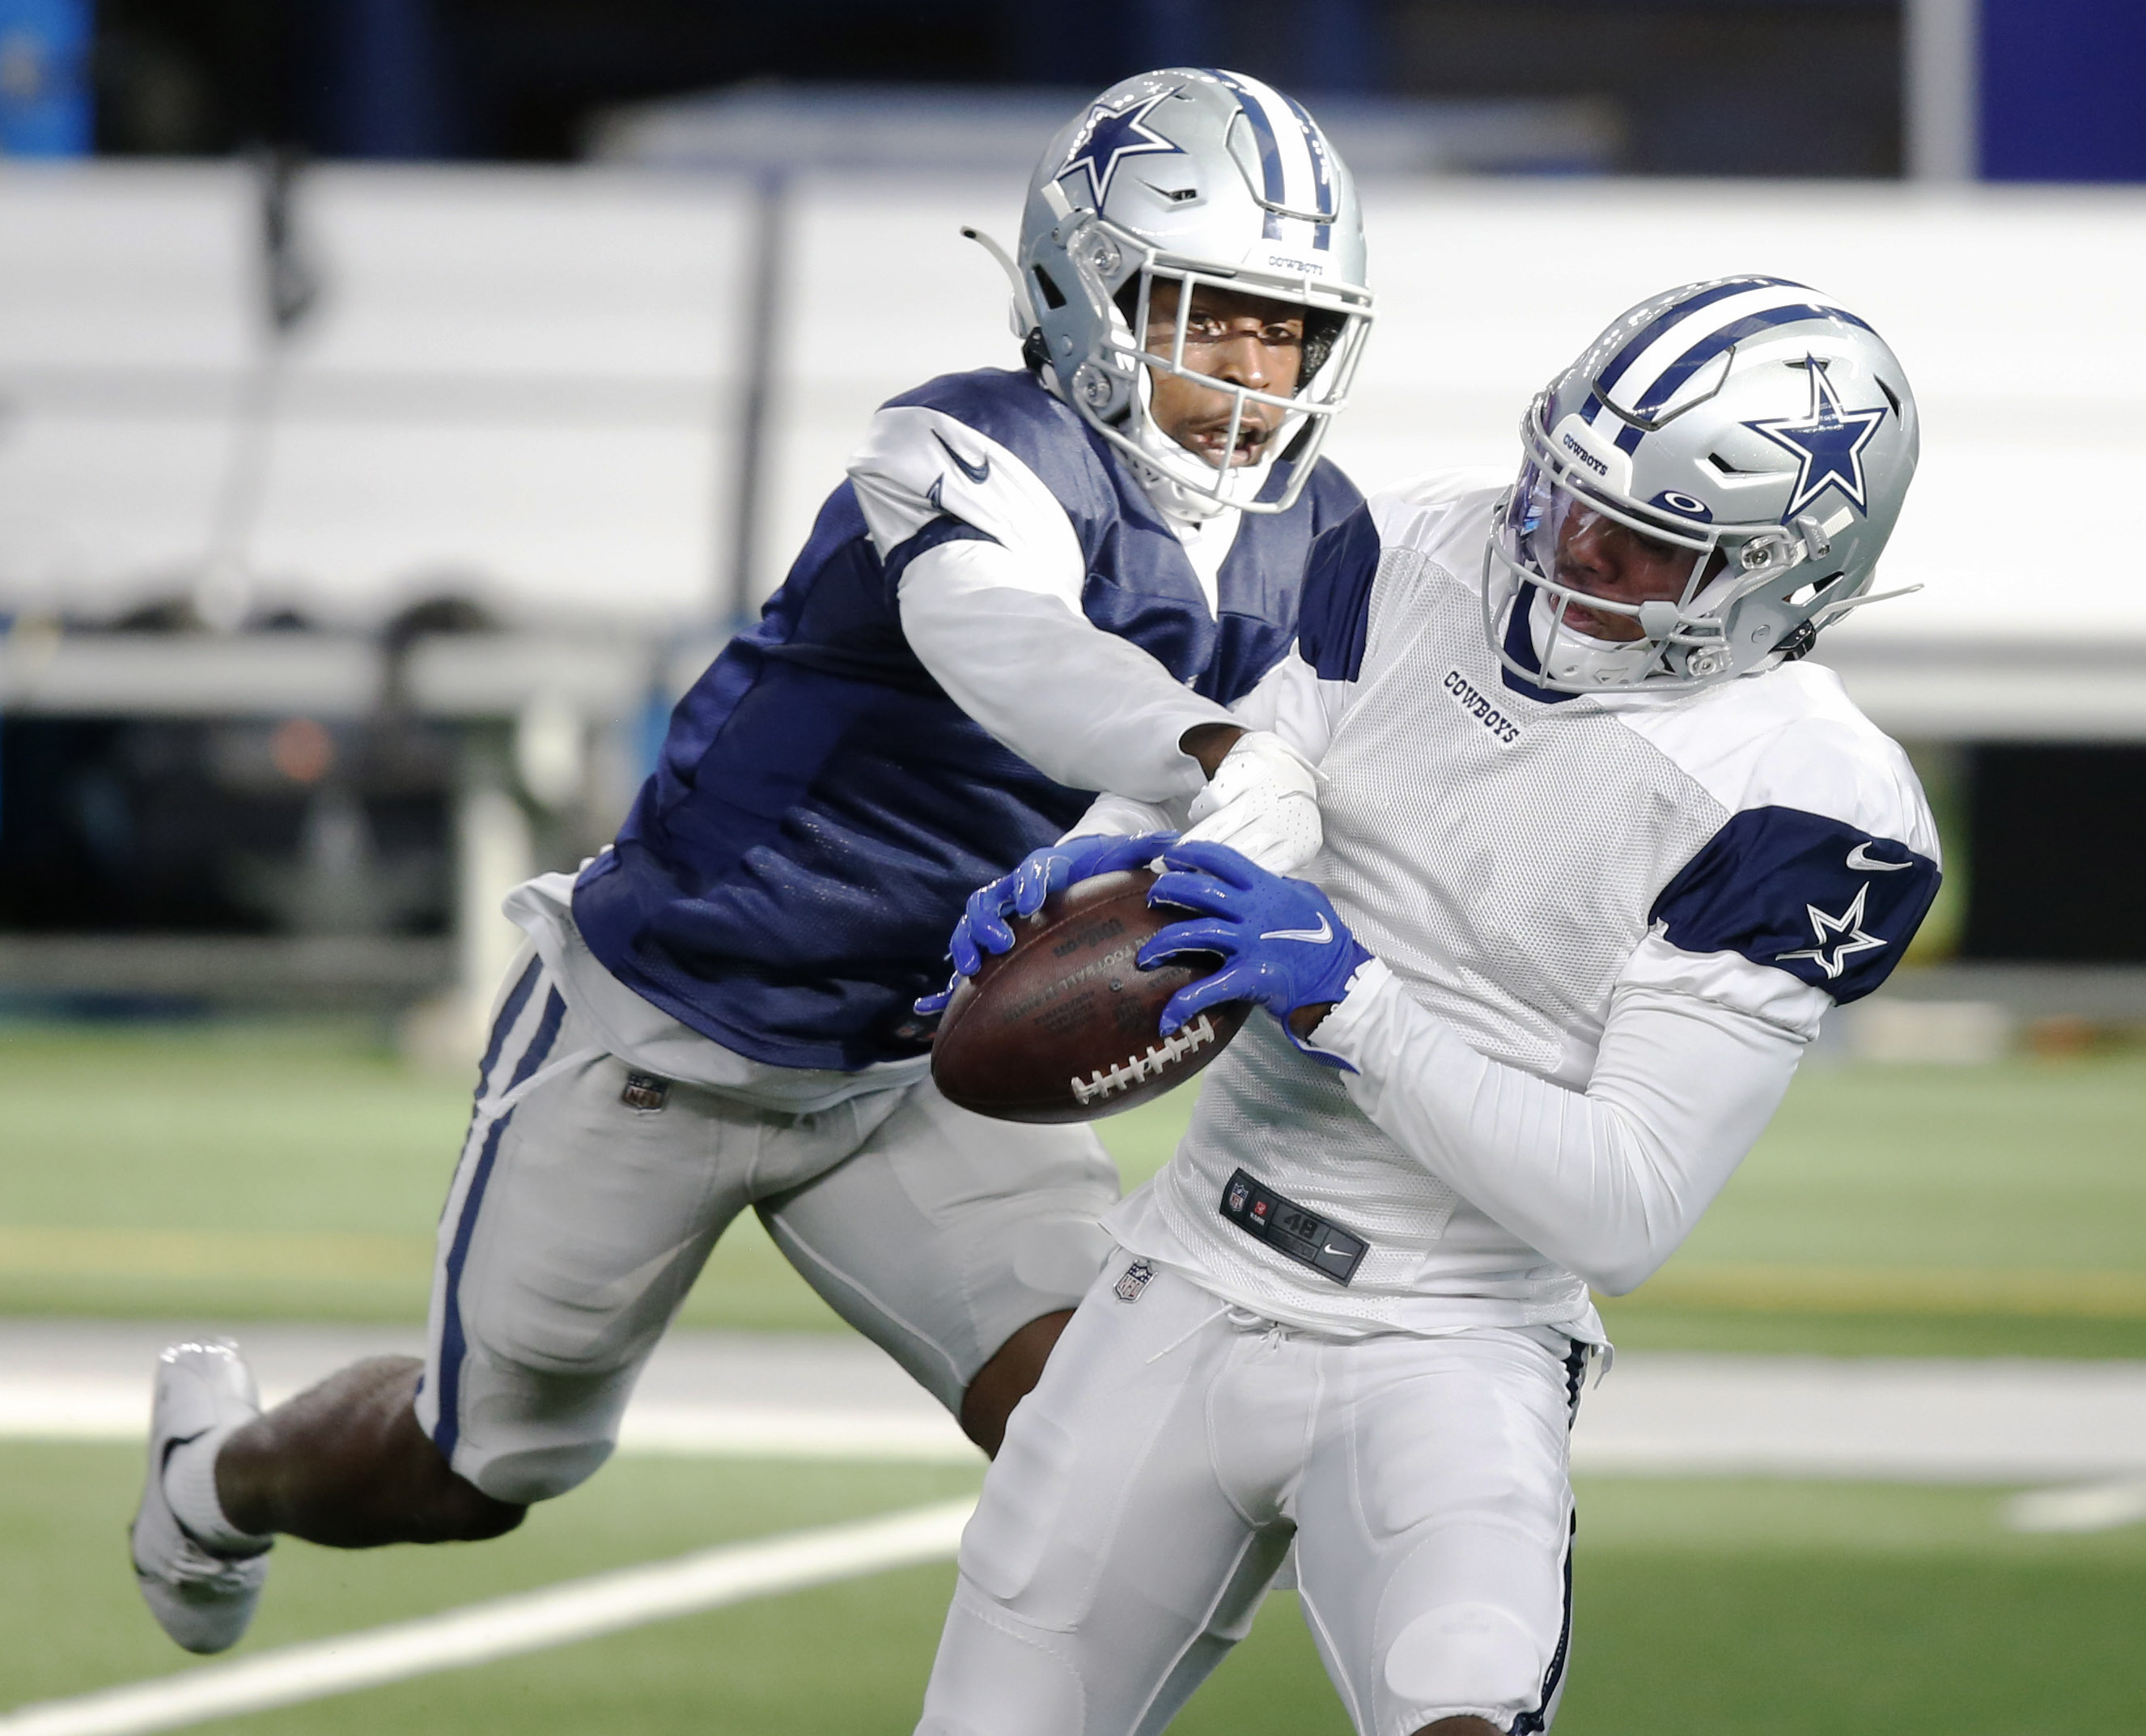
[(1751, 421), (1202, 178)]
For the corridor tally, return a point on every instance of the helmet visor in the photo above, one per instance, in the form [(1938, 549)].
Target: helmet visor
[(1601, 566)]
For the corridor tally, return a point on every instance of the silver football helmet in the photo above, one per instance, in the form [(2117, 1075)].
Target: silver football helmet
[(1755, 438), (1199, 178)]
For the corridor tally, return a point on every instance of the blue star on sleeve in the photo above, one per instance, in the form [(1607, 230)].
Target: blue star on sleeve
[(1829, 904)]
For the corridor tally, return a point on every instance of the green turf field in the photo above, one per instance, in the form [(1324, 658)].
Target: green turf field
[(250, 1171), (205, 1172), (1769, 1610)]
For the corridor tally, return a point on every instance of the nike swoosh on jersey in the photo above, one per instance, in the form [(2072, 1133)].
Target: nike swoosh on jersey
[(1318, 937), (1871, 865), (976, 473)]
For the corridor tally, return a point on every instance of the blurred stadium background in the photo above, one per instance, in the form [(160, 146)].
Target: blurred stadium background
[(400, 400)]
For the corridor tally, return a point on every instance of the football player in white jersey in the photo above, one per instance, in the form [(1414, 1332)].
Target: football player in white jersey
[(1599, 853), (1035, 583)]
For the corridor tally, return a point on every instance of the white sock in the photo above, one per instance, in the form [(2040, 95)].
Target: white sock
[(190, 1486)]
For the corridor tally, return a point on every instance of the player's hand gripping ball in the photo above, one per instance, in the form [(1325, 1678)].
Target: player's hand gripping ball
[(1281, 941), (983, 928), (1057, 1022)]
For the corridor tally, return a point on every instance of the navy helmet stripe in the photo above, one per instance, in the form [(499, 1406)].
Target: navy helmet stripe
[(1269, 150), (1728, 338), (1653, 329), (1314, 147)]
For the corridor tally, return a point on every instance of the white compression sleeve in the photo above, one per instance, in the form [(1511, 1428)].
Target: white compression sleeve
[(1295, 705), (1607, 1183), (1082, 706), (1289, 701)]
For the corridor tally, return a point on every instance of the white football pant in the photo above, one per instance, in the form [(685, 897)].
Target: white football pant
[(1150, 1485)]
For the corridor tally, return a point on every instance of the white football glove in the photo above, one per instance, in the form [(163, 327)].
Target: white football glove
[(1263, 802)]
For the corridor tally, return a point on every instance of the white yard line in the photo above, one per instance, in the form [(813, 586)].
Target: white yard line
[(506, 1627), (1657, 1415), (2083, 1507), (2076, 1429), (1878, 1419), (60, 1408)]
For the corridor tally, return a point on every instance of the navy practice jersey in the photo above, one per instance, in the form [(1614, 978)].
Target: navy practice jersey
[(787, 881)]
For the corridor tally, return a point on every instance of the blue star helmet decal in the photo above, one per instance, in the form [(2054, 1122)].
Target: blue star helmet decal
[(1110, 135), (1829, 445)]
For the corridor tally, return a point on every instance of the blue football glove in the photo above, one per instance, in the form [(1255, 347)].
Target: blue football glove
[(983, 928), (1282, 943)]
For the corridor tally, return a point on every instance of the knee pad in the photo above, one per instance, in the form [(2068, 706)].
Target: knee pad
[(995, 1675), (536, 1473), (1466, 1657)]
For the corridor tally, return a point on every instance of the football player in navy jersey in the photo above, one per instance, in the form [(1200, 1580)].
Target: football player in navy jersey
[(1599, 851), (1035, 584)]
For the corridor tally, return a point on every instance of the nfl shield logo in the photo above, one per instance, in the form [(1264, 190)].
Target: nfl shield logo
[(1238, 1193), (1137, 1279)]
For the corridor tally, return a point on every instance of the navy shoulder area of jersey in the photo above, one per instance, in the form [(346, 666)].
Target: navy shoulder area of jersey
[(821, 808), (1833, 906), (1332, 497), (1014, 408), (1140, 584), (1336, 609)]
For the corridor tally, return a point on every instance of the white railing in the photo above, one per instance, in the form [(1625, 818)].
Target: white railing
[(525, 385)]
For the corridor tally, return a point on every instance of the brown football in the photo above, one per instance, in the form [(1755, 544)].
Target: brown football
[(1065, 1027)]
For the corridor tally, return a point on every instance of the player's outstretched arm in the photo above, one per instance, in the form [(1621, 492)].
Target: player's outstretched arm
[(1281, 942), (1096, 712), (1121, 816), (1086, 707), (1262, 793), (1261, 800), (989, 580)]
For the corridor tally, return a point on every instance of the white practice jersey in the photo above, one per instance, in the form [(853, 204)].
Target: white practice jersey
[(1631, 910)]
